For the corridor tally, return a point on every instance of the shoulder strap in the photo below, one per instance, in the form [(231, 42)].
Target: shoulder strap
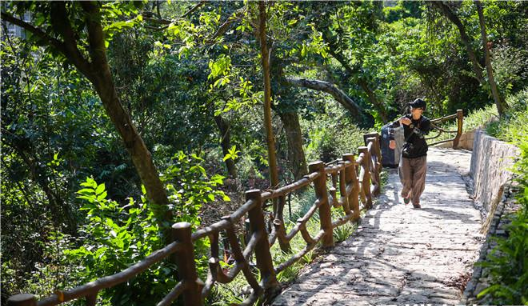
[(418, 126)]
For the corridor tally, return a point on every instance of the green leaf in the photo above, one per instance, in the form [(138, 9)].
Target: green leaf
[(88, 206), (90, 199), (217, 179), (100, 189), (102, 196), (487, 290), (90, 182), (86, 191), (119, 25)]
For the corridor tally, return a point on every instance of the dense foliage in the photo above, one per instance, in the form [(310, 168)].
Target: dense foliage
[(78, 184)]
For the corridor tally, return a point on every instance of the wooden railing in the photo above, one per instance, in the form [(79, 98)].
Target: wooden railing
[(436, 126), (353, 180)]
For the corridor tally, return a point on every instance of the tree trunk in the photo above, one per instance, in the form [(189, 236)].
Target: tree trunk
[(265, 62), (278, 203), (102, 80), (296, 155), (288, 115), (141, 157), (500, 103), (224, 130), (330, 88), (445, 10)]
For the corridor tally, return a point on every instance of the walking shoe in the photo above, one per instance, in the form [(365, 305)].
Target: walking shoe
[(407, 200), (416, 205)]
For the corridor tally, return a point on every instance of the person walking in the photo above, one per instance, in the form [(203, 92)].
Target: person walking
[(412, 166)]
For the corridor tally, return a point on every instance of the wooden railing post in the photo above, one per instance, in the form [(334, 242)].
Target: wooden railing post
[(375, 165), (376, 148), (24, 299), (320, 186), (185, 260), (343, 192), (280, 224), (262, 248), (455, 144), (378, 152), (333, 191), (351, 179), (366, 180)]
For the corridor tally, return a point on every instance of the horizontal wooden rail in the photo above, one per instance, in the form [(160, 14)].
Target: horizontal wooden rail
[(353, 180), (449, 117), (436, 126), (305, 181)]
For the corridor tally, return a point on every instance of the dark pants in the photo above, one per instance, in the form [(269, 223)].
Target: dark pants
[(412, 172)]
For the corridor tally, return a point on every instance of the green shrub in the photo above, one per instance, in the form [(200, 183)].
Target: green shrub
[(189, 187), (300, 203), (328, 143), (114, 238), (331, 134), (341, 233), (508, 264), (229, 294), (510, 68), (513, 126)]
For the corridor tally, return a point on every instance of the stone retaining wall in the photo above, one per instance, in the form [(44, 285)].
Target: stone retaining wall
[(489, 168), (491, 159)]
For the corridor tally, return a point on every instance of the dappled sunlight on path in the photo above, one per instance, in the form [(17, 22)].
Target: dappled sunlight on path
[(401, 255)]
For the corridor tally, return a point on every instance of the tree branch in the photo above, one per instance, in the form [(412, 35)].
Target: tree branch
[(61, 23), (331, 89), (96, 37), (225, 26), (148, 16), (193, 9), (57, 44), (447, 11)]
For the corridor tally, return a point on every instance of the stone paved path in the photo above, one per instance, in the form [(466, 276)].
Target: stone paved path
[(401, 255)]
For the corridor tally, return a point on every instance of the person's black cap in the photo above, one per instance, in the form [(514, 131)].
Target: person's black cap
[(418, 103)]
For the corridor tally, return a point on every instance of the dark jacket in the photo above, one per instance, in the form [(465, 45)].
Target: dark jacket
[(415, 143)]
